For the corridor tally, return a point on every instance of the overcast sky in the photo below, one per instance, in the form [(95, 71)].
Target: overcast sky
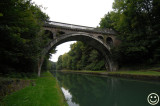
[(79, 12)]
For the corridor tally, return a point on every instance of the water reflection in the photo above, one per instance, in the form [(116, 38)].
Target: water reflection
[(88, 90), (68, 97)]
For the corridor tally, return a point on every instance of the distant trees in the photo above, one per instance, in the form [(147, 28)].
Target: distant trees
[(48, 65), (138, 24), (81, 57), (21, 38)]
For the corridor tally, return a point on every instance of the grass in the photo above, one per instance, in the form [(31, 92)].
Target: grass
[(137, 72), (46, 92), (132, 73), (140, 72)]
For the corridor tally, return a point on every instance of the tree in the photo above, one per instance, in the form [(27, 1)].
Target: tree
[(21, 41), (137, 22), (81, 57), (59, 63)]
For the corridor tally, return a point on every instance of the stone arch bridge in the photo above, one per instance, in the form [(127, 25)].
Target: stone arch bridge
[(100, 39)]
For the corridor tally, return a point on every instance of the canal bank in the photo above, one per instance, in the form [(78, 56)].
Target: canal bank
[(45, 92), (142, 75)]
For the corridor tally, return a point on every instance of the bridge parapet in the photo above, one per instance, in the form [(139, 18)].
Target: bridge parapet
[(79, 27)]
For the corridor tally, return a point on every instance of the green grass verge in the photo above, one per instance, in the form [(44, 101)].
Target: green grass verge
[(46, 92), (147, 73), (139, 72)]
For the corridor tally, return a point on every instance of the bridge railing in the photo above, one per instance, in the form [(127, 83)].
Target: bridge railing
[(72, 26)]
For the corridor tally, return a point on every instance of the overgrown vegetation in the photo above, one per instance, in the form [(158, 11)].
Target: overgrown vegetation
[(138, 24), (21, 38), (45, 92), (81, 57), (10, 85)]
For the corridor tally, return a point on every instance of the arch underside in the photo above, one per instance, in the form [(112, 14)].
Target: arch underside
[(87, 38)]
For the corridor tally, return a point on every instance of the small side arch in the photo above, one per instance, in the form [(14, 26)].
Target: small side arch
[(49, 34), (109, 41)]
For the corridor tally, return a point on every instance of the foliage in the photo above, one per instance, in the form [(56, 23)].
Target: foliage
[(21, 41), (138, 24), (81, 57), (48, 65)]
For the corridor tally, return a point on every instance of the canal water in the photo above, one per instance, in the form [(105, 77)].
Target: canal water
[(88, 90)]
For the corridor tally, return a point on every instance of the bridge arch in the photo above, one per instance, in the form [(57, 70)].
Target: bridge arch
[(84, 37)]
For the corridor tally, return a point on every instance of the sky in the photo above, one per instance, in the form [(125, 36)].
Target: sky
[(78, 12)]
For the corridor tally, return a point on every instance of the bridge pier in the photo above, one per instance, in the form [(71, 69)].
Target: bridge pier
[(40, 62), (110, 64), (114, 66)]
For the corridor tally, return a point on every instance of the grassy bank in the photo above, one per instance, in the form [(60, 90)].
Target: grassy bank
[(10, 85), (139, 74), (147, 73), (45, 92)]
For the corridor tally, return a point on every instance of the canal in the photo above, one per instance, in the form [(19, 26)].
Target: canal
[(88, 90)]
